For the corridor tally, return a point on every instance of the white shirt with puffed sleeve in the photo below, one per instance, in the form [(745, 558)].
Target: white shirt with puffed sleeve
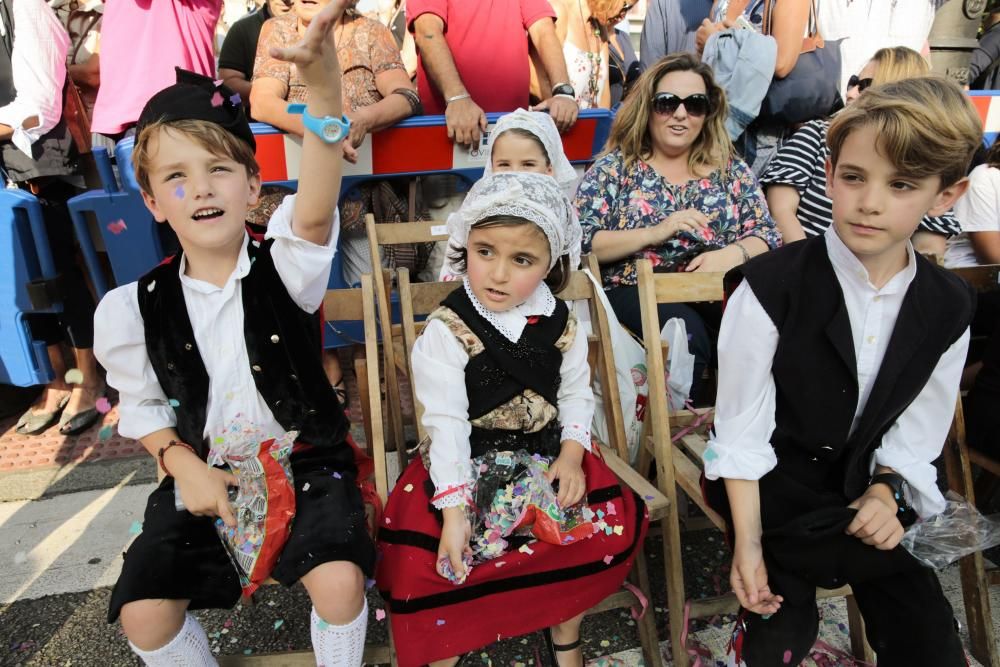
[(745, 406), (216, 315), (439, 361)]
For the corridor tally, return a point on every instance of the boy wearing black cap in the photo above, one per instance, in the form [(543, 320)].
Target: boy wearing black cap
[(223, 339)]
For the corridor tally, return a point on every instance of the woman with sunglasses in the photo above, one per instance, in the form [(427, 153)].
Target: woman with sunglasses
[(669, 188), (795, 181)]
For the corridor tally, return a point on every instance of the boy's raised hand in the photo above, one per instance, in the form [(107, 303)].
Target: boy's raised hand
[(315, 55)]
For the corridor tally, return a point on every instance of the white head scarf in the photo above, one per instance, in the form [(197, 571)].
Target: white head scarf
[(542, 126), (534, 197)]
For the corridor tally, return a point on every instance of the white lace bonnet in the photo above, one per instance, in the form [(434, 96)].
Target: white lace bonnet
[(542, 126), (534, 197)]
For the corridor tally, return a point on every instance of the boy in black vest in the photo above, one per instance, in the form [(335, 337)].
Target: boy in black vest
[(223, 340), (839, 365)]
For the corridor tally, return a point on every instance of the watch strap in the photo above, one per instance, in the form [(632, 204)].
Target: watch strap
[(315, 124), (905, 512)]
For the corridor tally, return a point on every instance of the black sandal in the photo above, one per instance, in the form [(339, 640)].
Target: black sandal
[(340, 389), (561, 648)]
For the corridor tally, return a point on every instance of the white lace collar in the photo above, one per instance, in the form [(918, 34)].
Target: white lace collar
[(510, 323)]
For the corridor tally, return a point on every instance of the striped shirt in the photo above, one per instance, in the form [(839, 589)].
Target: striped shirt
[(801, 163)]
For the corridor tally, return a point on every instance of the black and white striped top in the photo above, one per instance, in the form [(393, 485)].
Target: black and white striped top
[(801, 163)]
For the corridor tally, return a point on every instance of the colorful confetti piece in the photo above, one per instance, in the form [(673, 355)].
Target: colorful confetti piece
[(174, 403), (277, 624), (103, 405), (440, 622), (786, 657), (605, 643), (369, 584), (408, 488), (336, 475), (74, 376), (525, 549), (380, 614), (151, 286), (709, 455), (117, 227), (235, 99), (305, 487), (135, 528), (179, 192), (217, 99), (610, 509), (106, 432), (608, 559)]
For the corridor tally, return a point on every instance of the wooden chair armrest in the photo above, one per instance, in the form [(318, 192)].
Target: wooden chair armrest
[(654, 499)]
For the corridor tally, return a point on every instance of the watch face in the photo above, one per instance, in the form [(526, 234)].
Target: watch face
[(332, 132)]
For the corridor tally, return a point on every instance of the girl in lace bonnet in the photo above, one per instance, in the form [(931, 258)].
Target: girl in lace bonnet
[(502, 375)]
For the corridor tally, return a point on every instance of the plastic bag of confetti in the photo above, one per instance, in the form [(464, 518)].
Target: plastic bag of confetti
[(958, 531), (513, 497), (264, 504)]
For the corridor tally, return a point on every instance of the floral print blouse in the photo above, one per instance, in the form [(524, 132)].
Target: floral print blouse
[(365, 49), (612, 197)]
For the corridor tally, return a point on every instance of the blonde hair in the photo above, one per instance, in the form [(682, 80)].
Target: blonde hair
[(604, 10), (897, 63), (926, 126), (630, 128), (210, 136)]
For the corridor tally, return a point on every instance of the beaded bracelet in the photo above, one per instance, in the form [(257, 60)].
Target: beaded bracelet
[(163, 450), (746, 255)]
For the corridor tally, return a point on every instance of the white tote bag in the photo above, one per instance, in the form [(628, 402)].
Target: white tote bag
[(630, 369)]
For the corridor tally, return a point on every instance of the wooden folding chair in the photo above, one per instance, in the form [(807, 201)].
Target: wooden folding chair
[(387, 234), (419, 299), (677, 447), (959, 458)]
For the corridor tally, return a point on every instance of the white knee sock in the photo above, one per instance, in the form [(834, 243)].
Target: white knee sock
[(339, 645), (188, 649)]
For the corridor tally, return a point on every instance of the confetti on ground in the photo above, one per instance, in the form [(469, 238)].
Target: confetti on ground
[(116, 227), (380, 614), (217, 99), (103, 405), (278, 623), (247, 651), (605, 643), (228, 623), (408, 488), (135, 528), (608, 559), (74, 376), (174, 403), (106, 432)]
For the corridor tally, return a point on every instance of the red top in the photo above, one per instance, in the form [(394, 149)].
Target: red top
[(489, 43)]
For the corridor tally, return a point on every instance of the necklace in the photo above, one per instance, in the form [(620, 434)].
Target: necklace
[(594, 57)]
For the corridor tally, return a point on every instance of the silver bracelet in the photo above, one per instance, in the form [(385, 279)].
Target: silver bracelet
[(463, 96), (746, 255)]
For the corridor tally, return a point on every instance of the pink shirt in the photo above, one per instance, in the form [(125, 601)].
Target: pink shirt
[(141, 43), (489, 43)]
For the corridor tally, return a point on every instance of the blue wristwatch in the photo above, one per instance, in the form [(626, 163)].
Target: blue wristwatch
[(329, 129)]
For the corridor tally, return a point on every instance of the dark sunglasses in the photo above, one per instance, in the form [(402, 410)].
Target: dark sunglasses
[(862, 84), (666, 104)]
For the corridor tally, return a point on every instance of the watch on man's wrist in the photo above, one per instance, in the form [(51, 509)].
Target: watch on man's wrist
[(900, 493), (563, 89), (329, 129)]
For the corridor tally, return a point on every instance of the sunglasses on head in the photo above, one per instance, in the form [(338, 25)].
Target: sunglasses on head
[(666, 104), (625, 9), (862, 84)]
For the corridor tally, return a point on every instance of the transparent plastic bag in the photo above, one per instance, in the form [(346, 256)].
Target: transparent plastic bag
[(958, 531), (513, 497)]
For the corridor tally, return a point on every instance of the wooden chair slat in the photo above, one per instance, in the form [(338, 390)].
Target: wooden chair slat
[(695, 444), (688, 477), (688, 287), (656, 502), (982, 278)]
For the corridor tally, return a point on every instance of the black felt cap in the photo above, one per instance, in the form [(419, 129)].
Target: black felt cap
[(198, 97)]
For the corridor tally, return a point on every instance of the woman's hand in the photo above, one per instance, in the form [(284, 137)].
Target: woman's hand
[(716, 261), (748, 578), (688, 220), (455, 536), (361, 125), (876, 522), (567, 469), (706, 30), (205, 490)]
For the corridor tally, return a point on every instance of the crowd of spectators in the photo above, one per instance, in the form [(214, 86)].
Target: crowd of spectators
[(686, 179)]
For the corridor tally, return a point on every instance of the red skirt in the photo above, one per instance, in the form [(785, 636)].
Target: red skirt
[(522, 591)]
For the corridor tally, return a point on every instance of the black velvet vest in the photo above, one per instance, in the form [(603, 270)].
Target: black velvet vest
[(814, 366), (54, 153), (505, 369), (283, 348)]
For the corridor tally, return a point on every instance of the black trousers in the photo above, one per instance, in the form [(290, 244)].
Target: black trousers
[(625, 302), (75, 324), (909, 621)]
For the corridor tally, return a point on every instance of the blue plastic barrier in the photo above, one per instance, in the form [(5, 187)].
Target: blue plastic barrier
[(24, 256)]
